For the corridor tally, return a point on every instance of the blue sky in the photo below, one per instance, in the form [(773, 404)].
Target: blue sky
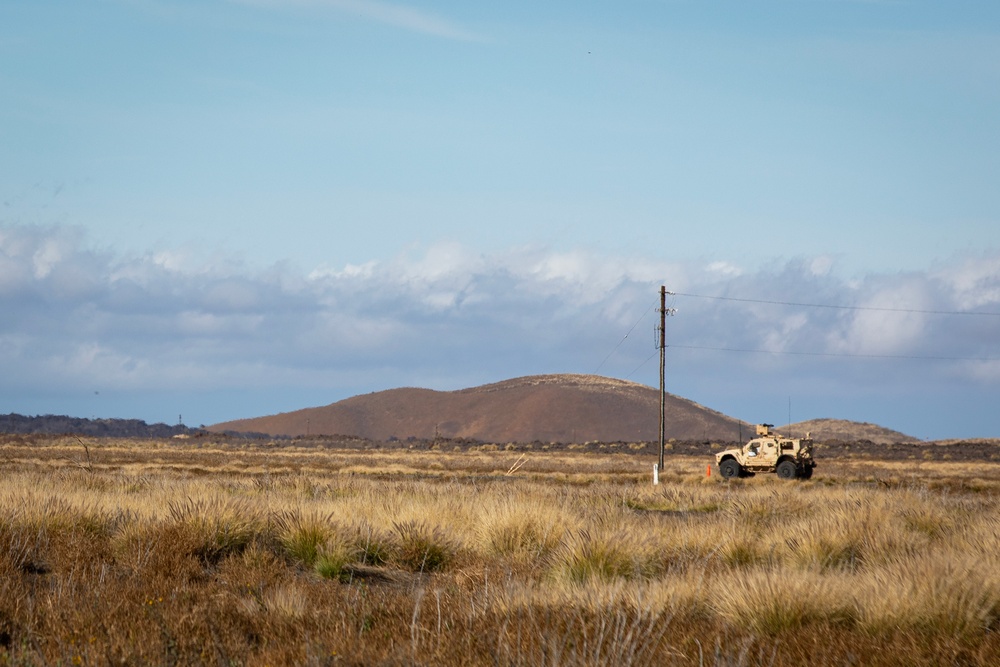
[(227, 209)]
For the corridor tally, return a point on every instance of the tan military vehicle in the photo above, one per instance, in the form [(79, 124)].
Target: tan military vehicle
[(769, 452)]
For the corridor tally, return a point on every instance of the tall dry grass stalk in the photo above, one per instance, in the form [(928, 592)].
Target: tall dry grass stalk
[(245, 555)]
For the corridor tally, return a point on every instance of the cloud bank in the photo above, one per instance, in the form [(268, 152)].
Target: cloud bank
[(79, 319)]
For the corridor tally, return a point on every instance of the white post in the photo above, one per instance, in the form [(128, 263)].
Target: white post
[(656, 474)]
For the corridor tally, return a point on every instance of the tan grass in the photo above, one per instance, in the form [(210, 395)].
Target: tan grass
[(940, 592), (272, 554), (771, 601)]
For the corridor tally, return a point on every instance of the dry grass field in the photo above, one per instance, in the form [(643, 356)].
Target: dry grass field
[(220, 552)]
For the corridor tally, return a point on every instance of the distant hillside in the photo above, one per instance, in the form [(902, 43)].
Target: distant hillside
[(97, 428), (841, 430), (549, 408)]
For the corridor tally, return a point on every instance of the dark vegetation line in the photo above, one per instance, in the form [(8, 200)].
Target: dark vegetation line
[(100, 428)]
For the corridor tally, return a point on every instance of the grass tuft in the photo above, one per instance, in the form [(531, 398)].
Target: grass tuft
[(423, 548), (601, 556), (219, 527), (772, 603), (373, 545), (303, 536)]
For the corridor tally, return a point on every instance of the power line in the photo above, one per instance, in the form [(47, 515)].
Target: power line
[(808, 354), (838, 307), (599, 366), (641, 365), (830, 354)]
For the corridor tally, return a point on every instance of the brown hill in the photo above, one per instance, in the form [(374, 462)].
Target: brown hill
[(833, 430), (550, 408)]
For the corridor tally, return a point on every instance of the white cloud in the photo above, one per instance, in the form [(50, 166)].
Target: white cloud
[(724, 269), (821, 266), (972, 282), (101, 363), (446, 316), (46, 257), (987, 372), (364, 270), (783, 332), (887, 331)]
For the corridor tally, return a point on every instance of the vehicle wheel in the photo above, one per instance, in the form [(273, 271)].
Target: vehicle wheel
[(806, 473), (729, 469), (787, 470)]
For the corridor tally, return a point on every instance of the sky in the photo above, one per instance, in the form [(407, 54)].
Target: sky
[(229, 208)]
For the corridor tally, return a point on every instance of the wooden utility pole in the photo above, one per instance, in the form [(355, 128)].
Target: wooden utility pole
[(664, 311), (663, 358)]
